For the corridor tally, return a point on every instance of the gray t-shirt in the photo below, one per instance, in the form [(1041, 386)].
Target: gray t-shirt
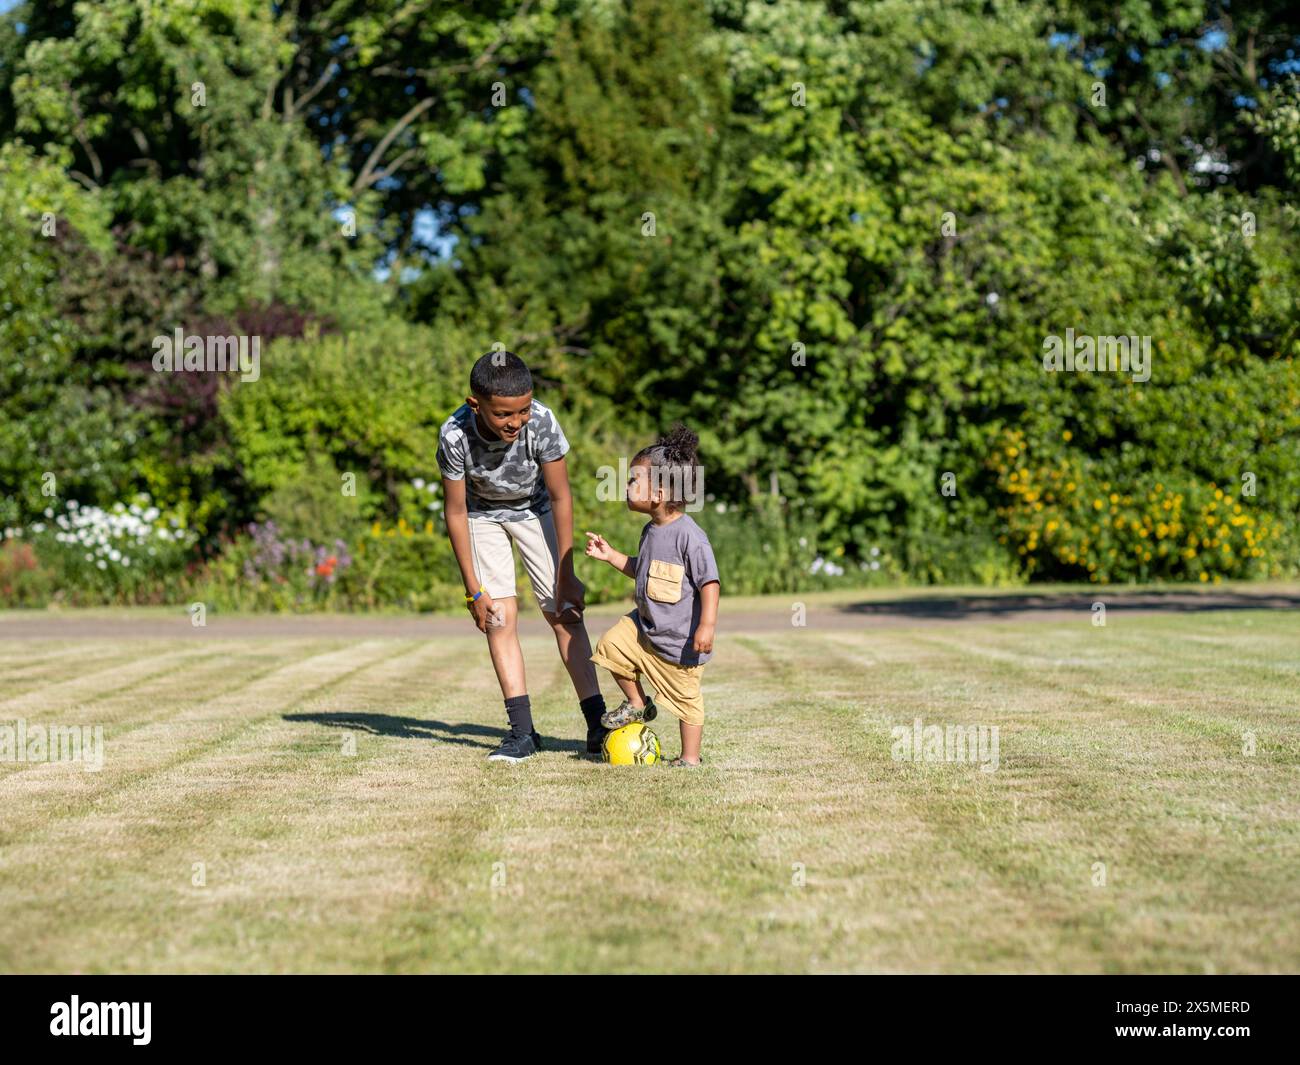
[(673, 562), (502, 479)]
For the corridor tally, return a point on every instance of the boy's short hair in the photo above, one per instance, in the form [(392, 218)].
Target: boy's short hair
[(500, 373)]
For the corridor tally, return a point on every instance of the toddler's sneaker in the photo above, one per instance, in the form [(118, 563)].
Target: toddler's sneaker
[(625, 714)]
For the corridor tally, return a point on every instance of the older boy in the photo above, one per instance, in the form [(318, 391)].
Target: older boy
[(491, 452)]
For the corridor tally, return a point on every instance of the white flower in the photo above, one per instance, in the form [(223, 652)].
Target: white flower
[(115, 555), (125, 561), (49, 512), (875, 551), (875, 565), (73, 504), (721, 508), (991, 299), (90, 557), (39, 527), (418, 482), (803, 541), (102, 564)]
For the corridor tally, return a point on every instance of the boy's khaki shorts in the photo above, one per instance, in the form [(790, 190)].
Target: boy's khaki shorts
[(494, 563), (677, 687)]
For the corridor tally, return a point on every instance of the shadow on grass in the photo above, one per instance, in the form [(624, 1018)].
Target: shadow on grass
[(410, 728), (974, 606)]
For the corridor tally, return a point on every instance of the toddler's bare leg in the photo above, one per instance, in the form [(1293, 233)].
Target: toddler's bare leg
[(632, 691), (691, 735)]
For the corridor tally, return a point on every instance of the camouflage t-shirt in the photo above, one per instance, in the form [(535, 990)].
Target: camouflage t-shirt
[(502, 479)]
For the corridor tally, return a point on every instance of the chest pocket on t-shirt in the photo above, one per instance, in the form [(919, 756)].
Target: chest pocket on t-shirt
[(664, 583)]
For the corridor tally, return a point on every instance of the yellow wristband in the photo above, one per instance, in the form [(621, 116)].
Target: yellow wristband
[(472, 598)]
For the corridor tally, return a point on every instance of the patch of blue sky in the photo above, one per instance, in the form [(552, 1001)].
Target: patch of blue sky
[(1213, 41)]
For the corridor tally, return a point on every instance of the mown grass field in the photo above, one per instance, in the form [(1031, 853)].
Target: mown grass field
[(801, 845)]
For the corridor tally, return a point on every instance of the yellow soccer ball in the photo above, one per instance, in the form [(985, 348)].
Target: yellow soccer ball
[(632, 744)]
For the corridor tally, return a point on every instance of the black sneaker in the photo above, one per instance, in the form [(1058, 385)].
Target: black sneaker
[(596, 738), (537, 740), (514, 748)]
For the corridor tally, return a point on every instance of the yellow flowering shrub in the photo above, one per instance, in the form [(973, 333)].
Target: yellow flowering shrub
[(1068, 520)]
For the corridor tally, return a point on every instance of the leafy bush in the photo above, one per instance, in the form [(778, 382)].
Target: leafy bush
[(847, 300), (129, 553), (23, 580), (60, 429), (405, 567), (314, 505), (370, 404), (763, 548), (1069, 520), (269, 570)]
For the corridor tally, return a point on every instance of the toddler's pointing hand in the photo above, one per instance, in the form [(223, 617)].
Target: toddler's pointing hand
[(597, 548)]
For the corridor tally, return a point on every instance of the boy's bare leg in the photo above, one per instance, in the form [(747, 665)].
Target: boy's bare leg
[(503, 645), (575, 652), (632, 691), (691, 735)]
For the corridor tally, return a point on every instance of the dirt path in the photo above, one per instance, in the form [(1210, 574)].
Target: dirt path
[(907, 610)]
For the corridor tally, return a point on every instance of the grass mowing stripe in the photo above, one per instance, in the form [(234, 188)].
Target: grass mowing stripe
[(323, 802), (455, 841), (162, 680), (871, 866), (978, 812), (124, 675), (1210, 695), (155, 817), (121, 774), (1097, 643), (828, 840), (153, 713), (801, 845), (980, 852), (543, 829), (1094, 790), (15, 669), (432, 841)]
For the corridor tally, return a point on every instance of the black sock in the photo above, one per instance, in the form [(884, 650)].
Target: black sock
[(592, 707), (520, 712)]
